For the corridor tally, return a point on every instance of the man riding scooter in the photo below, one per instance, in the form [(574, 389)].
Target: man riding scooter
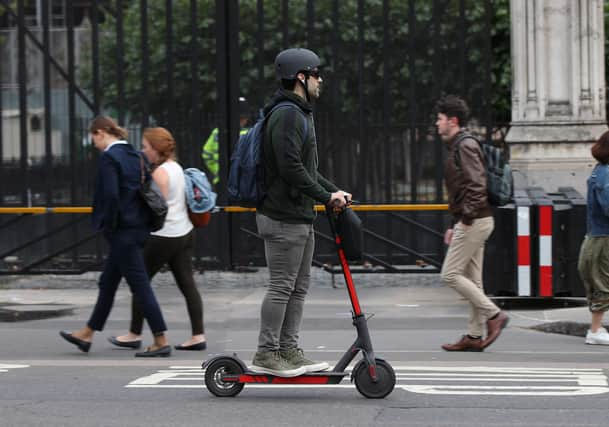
[(285, 218)]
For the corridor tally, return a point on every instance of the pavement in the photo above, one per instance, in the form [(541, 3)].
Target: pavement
[(526, 377), (34, 297)]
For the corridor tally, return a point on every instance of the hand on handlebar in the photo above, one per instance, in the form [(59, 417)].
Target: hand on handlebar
[(348, 197), (337, 200), (340, 199)]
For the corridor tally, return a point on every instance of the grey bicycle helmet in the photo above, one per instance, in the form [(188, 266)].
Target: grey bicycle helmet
[(290, 62)]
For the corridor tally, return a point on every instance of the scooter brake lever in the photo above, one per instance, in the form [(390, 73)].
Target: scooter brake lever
[(370, 316)]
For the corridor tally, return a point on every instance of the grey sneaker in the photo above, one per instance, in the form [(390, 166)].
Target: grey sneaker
[(296, 357), (271, 362)]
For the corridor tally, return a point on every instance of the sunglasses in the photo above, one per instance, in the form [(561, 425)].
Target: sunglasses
[(316, 74)]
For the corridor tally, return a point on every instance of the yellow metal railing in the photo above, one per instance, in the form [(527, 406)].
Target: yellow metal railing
[(45, 210), (229, 209)]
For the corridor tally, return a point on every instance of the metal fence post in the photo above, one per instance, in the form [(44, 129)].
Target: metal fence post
[(1, 139), (169, 67), (227, 48), (145, 64), (71, 101), (95, 56), (23, 105), (120, 66)]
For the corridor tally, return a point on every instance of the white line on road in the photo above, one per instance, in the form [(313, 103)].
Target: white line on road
[(497, 391), (506, 391), (598, 381), (463, 369), (590, 352), (5, 367), (589, 381), (500, 369)]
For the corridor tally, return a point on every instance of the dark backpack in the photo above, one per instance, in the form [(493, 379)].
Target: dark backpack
[(152, 196), (499, 179), (246, 173)]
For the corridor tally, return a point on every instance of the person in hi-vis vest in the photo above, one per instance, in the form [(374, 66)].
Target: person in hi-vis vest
[(210, 153)]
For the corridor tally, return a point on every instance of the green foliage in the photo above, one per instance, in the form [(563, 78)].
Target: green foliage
[(132, 59), (435, 37)]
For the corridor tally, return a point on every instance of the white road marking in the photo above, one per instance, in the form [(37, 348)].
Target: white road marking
[(479, 380), (506, 391), (275, 386), (593, 351), (6, 367), (193, 368)]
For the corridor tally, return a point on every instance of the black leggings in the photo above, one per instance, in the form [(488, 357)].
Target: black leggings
[(177, 253)]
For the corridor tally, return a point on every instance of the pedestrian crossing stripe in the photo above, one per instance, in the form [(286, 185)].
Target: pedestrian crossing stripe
[(472, 380), (5, 367)]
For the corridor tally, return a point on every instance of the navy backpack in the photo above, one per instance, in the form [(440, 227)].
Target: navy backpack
[(246, 173)]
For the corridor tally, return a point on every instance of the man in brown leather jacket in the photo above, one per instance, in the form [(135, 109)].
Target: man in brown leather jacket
[(465, 175)]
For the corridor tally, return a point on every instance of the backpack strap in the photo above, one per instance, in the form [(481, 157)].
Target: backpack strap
[(463, 136), (290, 104)]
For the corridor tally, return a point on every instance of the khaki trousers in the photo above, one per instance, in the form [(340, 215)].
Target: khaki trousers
[(462, 270)]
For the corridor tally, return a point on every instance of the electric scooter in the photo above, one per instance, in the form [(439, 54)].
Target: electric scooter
[(226, 375)]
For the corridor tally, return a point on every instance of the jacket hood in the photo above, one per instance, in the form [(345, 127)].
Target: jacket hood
[(286, 95)]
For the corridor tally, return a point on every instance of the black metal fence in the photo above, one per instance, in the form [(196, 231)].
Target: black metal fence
[(182, 64)]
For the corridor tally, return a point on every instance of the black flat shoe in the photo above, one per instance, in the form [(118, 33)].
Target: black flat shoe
[(197, 346), (126, 344), (160, 352), (83, 346)]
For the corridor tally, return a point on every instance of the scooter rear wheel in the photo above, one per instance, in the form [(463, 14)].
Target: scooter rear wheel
[(374, 390), (213, 377)]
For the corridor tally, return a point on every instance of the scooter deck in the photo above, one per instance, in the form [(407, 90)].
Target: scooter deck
[(321, 377)]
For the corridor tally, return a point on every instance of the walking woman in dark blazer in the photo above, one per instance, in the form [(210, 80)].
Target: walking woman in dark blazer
[(121, 214), (173, 244)]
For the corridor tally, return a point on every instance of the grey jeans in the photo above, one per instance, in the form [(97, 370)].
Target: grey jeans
[(289, 252)]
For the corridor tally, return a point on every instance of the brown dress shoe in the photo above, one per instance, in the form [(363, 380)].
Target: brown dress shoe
[(465, 344), (494, 327)]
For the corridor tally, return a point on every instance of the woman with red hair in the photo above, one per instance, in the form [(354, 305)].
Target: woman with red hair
[(173, 244)]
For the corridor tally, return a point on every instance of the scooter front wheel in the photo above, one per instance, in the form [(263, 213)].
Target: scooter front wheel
[(215, 373), (370, 389)]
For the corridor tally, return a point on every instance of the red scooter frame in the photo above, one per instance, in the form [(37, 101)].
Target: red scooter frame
[(226, 375)]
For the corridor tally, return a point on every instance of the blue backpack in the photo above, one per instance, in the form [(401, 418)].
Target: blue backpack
[(246, 173), (199, 196)]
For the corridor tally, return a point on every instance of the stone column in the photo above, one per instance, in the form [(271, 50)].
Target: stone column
[(558, 91)]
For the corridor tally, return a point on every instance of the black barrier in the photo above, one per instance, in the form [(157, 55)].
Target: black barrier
[(507, 252), (534, 248), (558, 228), (541, 217), (499, 275), (568, 231)]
